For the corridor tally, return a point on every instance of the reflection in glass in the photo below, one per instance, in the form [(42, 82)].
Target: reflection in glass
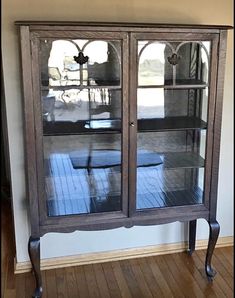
[(172, 101), (173, 63), (158, 188), (73, 104), (80, 92), (152, 67), (179, 178), (155, 103), (99, 64), (82, 174), (81, 110), (194, 62)]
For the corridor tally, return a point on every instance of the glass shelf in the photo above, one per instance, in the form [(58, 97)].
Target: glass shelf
[(114, 125), (82, 127), (170, 198), (111, 158), (179, 84), (107, 85), (171, 123)]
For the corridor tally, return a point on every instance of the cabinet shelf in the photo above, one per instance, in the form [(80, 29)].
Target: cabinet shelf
[(74, 205), (179, 84), (171, 123), (79, 87), (114, 125), (170, 198), (111, 158), (82, 127), (172, 160)]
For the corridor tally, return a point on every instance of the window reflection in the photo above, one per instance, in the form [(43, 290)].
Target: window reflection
[(151, 72), (59, 67), (74, 92), (81, 96), (82, 175), (151, 63), (172, 100)]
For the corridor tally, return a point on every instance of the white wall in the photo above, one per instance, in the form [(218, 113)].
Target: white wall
[(180, 11)]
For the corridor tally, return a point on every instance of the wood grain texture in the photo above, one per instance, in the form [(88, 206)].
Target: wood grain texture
[(73, 279), (195, 266), (29, 138), (122, 254), (81, 282), (122, 283), (50, 284), (114, 289), (152, 283), (176, 275), (101, 281), (226, 290)]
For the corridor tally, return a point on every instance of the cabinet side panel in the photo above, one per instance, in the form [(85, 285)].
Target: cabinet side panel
[(217, 123), (211, 115), (30, 153)]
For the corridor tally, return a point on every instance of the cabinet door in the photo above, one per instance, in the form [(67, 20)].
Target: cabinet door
[(81, 123), (173, 114)]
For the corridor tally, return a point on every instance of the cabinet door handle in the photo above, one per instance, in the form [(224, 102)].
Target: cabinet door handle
[(132, 124)]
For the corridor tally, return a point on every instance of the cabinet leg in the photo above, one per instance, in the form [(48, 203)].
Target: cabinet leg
[(34, 254), (213, 236), (192, 236)]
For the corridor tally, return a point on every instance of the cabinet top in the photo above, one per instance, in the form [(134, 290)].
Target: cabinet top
[(124, 24)]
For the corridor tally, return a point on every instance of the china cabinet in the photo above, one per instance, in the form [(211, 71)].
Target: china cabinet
[(122, 126)]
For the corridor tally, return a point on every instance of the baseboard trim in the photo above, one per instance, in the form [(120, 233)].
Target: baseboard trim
[(130, 253)]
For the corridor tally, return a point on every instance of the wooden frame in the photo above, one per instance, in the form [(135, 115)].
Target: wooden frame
[(83, 218), (213, 38), (31, 33)]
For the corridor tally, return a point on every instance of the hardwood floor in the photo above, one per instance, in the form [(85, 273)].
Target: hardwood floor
[(175, 275)]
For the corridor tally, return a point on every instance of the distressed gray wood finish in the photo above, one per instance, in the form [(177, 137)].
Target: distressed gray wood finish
[(129, 215), (213, 236), (34, 254), (217, 123), (30, 150), (192, 235)]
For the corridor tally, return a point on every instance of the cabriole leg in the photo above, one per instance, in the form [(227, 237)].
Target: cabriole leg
[(192, 236), (34, 254), (214, 233)]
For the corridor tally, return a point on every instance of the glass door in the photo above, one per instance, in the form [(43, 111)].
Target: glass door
[(172, 90), (84, 124)]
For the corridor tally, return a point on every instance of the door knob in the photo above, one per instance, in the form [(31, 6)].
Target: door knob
[(132, 124)]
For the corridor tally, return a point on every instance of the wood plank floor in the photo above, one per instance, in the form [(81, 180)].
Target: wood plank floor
[(174, 275)]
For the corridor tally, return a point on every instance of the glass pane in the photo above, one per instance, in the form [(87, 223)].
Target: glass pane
[(193, 62), (173, 63), (170, 168), (81, 100), (82, 174), (80, 62), (103, 63), (159, 106), (172, 102), (80, 111), (153, 68)]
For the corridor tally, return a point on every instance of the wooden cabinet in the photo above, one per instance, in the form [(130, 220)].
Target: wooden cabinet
[(122, 126)]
